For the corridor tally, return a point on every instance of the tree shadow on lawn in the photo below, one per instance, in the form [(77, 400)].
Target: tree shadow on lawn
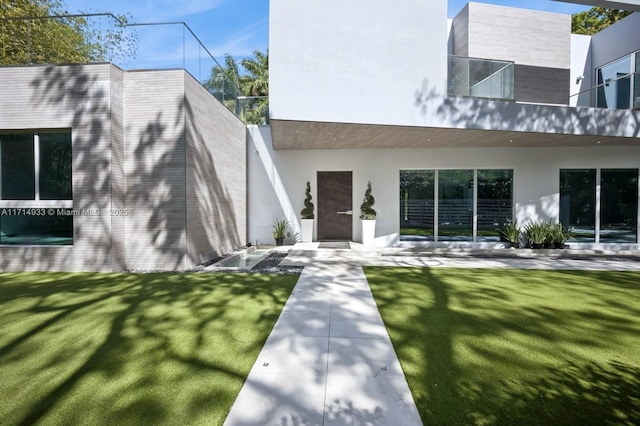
[(515, 347), (131, 349)]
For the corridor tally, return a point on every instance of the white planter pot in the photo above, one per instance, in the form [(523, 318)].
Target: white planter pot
[(307, 230), (368, 231)]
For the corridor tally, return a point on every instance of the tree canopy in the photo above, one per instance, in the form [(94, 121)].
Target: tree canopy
[(595, 19), (247, 78), (34, 32)]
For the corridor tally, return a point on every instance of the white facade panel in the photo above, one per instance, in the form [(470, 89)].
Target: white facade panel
[(360, 62), (277, 179)]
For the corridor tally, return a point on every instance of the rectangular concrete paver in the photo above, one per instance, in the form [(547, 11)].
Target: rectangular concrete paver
[(328, 360)]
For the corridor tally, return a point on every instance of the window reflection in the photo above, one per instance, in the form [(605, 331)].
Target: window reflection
[(619, 205), (55, 166), (455, 205), (416, 205), (18, 167), (578, 203), (495, 202)]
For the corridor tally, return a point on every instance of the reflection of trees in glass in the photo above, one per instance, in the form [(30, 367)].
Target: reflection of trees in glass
[(495, 184), (495, 199), (619, 199), (455, 184), (578, 198), (416, 198), (18, 169), (455, 203), (55, 166)]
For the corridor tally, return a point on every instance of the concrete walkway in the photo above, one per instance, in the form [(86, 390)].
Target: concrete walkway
[(328, 360)]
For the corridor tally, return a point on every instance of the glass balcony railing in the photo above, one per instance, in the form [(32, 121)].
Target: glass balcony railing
[(481, 78), (104, 37), (622, 92), (253, 109)]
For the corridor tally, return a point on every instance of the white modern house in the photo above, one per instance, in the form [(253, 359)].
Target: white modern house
[(459, 124)]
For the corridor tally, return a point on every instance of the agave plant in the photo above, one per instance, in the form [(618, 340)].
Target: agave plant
[(280, 228), (536, 232), (511, 231)]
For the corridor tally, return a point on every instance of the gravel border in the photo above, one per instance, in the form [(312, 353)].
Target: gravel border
[(269, 265)]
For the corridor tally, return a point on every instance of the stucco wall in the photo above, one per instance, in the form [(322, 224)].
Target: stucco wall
[(359, 62), (216, 176), (80, 98), (277, 178)]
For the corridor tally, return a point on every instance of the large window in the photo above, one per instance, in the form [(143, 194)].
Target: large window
[(35, 187), (495, 202), (619, 83), (417, 204), (614, 219), (578, 203), (619, 206), (457, 204)]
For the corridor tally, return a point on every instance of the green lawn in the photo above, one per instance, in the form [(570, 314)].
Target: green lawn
[(515, 347), (130, 349)]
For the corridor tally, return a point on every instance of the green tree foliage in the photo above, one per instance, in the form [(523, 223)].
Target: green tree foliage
[(249, 77), (30, 34), (595, 19), (224, 82)]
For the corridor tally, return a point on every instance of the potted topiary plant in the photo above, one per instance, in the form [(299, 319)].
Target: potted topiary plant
[(280, 230), (307, 216), (368, 217)]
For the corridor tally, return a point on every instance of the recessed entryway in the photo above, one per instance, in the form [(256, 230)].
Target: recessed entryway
[(335, 206)]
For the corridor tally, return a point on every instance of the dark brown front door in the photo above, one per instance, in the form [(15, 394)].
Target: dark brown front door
[(335, 216)]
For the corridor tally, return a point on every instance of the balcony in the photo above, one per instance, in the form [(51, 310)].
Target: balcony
[(622, 92), (480, 78)]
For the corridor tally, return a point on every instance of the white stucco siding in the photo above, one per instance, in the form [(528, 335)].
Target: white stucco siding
[(360, 62), (536, 178), (581, 78)]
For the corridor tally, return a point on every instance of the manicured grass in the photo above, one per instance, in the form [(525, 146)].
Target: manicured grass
[(515, 347), (130, 349)]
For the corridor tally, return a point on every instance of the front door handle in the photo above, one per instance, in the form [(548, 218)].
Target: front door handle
[(348, 212)]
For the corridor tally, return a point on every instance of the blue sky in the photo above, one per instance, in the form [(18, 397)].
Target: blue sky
[(237, 27)]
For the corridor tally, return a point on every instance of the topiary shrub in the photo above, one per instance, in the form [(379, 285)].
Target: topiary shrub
[(307, 212), (366, 208)]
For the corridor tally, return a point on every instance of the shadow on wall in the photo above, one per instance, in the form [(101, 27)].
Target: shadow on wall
[(177, 217), (84, 105), (156, 198), (213, 225), (180, 200), (481, 114)]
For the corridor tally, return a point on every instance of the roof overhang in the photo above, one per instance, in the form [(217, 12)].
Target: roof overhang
[(288, 134)]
